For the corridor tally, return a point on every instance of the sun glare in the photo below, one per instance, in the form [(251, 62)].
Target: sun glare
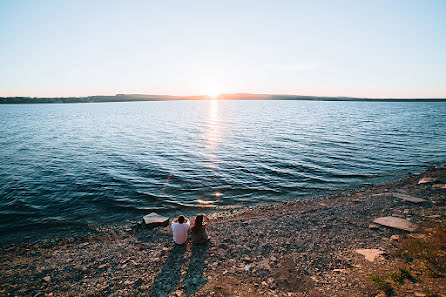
[(212, 92)]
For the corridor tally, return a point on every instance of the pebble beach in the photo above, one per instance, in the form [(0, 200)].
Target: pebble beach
[(332, 246)]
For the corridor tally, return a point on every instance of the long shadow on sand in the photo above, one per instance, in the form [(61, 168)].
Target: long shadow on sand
[(194, 280), (169, 277)]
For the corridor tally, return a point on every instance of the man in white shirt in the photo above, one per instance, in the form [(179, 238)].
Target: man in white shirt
[(179, 229)]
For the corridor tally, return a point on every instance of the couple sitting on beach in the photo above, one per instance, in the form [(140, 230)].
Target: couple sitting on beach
[(198, 234)]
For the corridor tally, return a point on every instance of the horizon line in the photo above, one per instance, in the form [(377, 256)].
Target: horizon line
[(221, 96)]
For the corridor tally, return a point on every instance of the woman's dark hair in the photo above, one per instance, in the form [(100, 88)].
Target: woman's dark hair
[(198, 223), (181, 219)]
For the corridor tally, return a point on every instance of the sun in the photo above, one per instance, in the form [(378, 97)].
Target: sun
[(213, 92)]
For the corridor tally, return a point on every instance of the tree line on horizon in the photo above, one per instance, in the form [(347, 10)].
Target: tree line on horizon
[(238, 96)]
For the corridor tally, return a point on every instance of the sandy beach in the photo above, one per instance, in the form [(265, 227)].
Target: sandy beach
[(326, 246)]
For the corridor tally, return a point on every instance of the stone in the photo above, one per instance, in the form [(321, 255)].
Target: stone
[(427, 180), (396, 223), (154, 220), (373, 226), (47, 279), (418, 236), (408, 198), (439, 186), (370, 254), (395, 237)]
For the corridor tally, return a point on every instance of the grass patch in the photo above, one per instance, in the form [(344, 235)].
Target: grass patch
[(400, 275), (380, 282), (429, 252)]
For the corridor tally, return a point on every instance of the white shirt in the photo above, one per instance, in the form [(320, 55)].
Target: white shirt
[(180, 232)]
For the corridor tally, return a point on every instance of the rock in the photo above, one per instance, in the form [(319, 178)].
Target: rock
[(154, 220), (47, 279), (408, 198), (395, 237), (373, 226), (439, 186), (369, 254), (396, 223), (418, 236), (427, 180)]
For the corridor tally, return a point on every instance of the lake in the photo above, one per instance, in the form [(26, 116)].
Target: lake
[(71, 167)]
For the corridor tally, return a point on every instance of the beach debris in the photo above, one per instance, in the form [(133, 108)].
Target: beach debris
[(396, 223), (408, 198), (370, 254), (153, 220), (47, 279), (439, 186), (427, 180)]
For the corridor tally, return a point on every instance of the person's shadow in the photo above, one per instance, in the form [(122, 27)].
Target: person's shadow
[(169, 277), (194, 280)]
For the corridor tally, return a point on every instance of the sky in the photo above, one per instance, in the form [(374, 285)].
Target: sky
[(379, 48)]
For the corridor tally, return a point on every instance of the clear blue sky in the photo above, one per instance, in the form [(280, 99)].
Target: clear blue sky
[(379, 48)]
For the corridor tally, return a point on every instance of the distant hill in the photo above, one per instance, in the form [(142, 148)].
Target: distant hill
[(237, 96)]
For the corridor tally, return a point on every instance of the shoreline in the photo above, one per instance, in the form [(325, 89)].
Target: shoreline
[(97, 229), (301, 248)]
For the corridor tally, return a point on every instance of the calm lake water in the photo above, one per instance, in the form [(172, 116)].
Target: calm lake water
[(66, 167)]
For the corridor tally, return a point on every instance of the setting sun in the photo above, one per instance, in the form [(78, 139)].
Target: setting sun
[(212, 91)]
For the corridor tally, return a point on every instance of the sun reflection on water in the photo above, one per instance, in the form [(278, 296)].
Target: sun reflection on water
[(213, 134)]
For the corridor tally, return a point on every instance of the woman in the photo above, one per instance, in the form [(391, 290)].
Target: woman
[(198, 231)]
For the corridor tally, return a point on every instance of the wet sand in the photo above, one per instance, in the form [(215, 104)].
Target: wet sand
[(304, 248)]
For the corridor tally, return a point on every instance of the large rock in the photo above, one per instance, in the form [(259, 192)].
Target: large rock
[(153, 220), (396, 223), (408, 198)]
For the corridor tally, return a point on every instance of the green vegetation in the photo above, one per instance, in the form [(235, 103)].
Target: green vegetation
[(399, 276), (427, 255), (381, 283)]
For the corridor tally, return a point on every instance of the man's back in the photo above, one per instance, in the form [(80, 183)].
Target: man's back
[(180, 231)]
